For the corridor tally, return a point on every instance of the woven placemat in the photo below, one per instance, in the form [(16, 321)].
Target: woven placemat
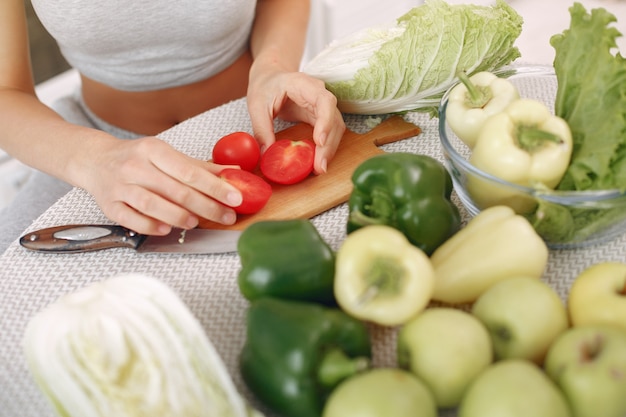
[(206, 283)]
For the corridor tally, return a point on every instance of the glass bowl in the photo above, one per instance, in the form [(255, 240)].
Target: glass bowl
[(564, 219)]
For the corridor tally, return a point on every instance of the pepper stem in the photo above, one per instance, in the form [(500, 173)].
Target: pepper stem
[(477, 96), (337, 366), (380, 211), (531, 138), (501, 333), (590, 349), (362, 219), (381, 275)]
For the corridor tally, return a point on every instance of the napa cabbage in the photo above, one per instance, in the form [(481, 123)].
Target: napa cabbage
[(128, 347), (409, 64)]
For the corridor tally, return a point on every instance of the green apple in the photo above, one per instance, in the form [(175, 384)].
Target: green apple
[(446, 348), (588, 363), (381, 392), (513, 388), (598, 295), (524, 316)]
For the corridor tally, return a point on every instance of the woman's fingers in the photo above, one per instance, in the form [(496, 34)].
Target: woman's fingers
[(297, 97), (153, 187), (329, 128), (147, 212), (262, 119)]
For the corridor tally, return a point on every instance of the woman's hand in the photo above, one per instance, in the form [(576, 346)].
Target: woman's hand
[(149, 187), (295, 96), (277, 89)]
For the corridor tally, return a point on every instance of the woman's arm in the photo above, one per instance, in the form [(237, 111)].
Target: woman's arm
[(277, 89), (18, 102), (143, 184), (279, 33)]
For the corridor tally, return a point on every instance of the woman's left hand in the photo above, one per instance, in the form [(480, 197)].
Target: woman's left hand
[(297, 97)]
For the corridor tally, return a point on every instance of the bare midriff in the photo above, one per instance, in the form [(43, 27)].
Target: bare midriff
[(151, 112)]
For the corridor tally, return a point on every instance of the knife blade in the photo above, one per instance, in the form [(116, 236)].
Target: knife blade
[(77, 238)]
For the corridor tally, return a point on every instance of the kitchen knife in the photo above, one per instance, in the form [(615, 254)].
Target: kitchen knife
[(90, 237)]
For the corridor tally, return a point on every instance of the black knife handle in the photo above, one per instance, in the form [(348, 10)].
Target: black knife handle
[(81, 238)]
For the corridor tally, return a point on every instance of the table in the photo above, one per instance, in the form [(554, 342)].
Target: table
[(206, 283)]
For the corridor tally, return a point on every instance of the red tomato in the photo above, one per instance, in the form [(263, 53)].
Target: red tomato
[(288, 161), (255, 191), (238, 148)]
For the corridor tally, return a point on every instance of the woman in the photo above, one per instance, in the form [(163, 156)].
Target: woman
[(145, 66)]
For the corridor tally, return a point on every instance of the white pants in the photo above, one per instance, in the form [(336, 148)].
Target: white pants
[(41, 190)]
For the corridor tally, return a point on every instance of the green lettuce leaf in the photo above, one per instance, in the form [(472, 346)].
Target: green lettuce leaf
[(409, 65), (591, 97)]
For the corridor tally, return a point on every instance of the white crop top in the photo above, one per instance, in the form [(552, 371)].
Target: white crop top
[(141, 45)]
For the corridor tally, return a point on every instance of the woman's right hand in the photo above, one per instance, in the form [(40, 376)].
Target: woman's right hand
[(149, 187)]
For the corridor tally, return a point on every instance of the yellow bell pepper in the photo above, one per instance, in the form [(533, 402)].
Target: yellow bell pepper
[(474, 100), (381, 277), (495, 245), (525, 145)]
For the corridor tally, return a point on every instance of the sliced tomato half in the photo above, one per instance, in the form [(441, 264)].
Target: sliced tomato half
[(288, 161), (255, 190)]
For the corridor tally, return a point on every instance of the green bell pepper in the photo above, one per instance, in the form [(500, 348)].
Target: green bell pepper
[(408, 192), (286, 259), (297, 352)]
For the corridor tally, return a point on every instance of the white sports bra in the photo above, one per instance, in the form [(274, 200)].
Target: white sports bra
[(142, 45)]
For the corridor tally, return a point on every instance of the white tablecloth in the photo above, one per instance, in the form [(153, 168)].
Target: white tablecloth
[(206, 283)]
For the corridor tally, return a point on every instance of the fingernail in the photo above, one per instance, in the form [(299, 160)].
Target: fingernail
[(191, 222), (164, 229), (229, 218), (322, 139), (324, 165), (233, 199)]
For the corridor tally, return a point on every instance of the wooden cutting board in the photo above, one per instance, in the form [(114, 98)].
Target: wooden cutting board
[(319, 193)]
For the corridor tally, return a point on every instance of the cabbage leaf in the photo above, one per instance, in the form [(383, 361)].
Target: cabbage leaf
[(408, 65)]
